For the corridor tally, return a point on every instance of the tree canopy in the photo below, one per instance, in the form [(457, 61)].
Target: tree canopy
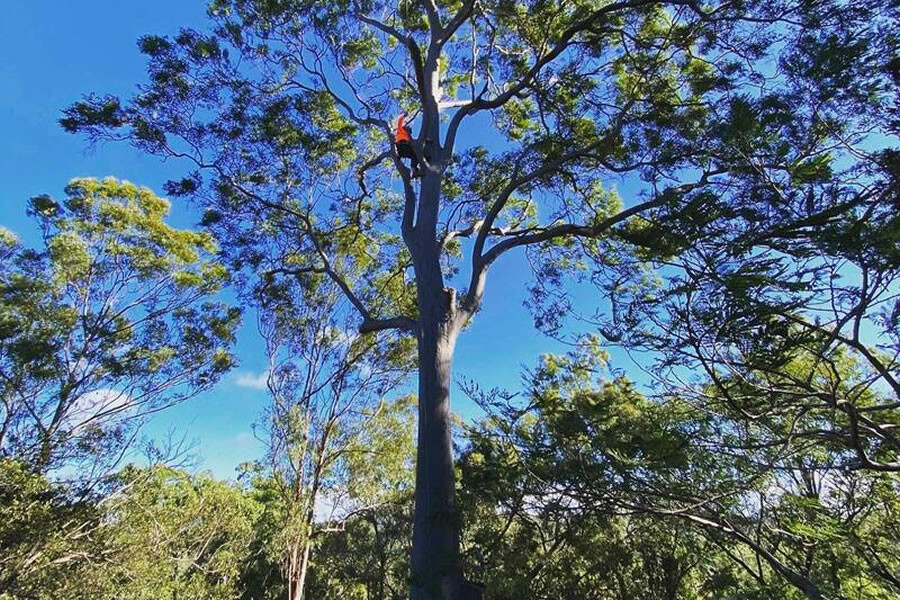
[(113, 319)]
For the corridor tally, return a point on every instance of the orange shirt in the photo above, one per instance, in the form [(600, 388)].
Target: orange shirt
[(401, 134)]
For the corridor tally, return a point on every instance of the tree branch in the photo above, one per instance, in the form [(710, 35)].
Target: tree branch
[(565, 41), (434, 20), (414, 51), (403, 323), (481, 262)]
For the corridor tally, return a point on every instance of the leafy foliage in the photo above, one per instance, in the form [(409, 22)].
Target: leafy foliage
[(113, 319), (49, 539), (583, 454)]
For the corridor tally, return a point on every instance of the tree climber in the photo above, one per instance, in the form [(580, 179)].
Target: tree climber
[(403, 141)]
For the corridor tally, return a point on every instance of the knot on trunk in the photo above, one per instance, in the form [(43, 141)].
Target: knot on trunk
[(449, 304)]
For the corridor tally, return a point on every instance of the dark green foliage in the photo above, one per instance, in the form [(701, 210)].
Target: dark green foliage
[(368, 559), (585, 488)]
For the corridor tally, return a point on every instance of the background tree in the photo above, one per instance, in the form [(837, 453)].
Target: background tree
[(194, 536), (369, 558), (335, 446), (794, 311), (791, 309), (583, 445), (49, 539), (287, 108), (153, 532), (114, 319)]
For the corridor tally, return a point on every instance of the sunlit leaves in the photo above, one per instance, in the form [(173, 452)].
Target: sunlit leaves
[(118, 300), (195, 534)]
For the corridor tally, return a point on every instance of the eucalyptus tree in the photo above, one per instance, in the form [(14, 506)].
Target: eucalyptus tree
[(173, 534), (369, 559), (521, 540), (335, 445), (50, 541), (523, 111), (791, 311), (790, 322), (112, 320)]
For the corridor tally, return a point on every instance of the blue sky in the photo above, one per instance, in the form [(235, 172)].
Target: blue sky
[(53, 53)]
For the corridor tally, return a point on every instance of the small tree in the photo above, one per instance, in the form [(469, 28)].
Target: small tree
[(52, 543), (110, 322), (335, 448), (287, 107)]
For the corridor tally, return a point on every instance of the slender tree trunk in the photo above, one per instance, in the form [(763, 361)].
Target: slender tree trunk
[(382, 560), (292, 572), (299, 587)]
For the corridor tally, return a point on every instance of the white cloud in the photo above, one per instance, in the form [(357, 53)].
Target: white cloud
[(339, 337), (256, 381), (102, 407)]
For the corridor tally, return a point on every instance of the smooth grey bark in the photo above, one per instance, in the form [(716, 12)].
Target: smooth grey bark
[(435, 552), (435, 549)]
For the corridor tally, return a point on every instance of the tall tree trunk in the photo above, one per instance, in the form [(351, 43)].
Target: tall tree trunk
[(435, 550)]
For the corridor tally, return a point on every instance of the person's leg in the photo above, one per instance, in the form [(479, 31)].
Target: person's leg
[(405, 150)]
